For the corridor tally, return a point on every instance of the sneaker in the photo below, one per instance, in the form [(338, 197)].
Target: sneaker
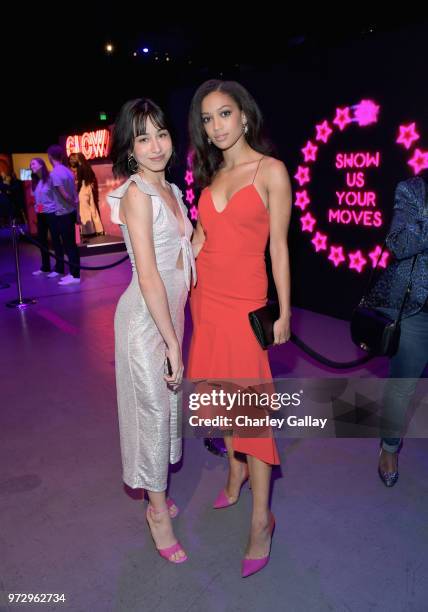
[(38, 272), (69, 280), (53, 274)]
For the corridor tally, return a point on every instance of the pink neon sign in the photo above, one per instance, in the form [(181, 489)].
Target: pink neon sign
[(323, 131), (366, 112), (419, 161), (91, 144), (310, 151), (355, 204), (342, 118), (190, 194), (302, 175), (302, 199), (407, 135)]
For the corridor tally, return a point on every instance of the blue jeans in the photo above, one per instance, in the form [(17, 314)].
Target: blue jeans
[(408, 364)]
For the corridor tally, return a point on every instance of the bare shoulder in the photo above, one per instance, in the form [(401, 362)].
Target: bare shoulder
[(134, 195), (274, 172)]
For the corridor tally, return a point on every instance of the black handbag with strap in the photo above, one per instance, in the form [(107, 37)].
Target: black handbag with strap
[(374, 331)]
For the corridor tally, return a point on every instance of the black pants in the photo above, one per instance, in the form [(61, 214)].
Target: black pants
[(47, 222), (65, 228)]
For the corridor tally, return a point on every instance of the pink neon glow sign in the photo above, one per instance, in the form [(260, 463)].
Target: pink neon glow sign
[(92, 144), (354, 203), (190, 194)]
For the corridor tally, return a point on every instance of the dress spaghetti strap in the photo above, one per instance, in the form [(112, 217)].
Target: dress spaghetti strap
[(257, 169)]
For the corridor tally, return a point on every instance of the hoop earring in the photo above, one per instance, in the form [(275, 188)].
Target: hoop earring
[(245, 126), (132, 164)]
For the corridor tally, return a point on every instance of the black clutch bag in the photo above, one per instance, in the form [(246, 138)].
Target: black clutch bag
[(262, 320)]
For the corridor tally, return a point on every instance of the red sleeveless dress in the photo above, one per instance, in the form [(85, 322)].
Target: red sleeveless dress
[(232, 281)]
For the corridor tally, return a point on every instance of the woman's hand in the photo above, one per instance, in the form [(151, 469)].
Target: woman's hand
[(174, 356), (281, 330)]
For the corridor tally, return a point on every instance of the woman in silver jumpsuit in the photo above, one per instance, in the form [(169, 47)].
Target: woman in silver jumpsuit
[(149, 319)]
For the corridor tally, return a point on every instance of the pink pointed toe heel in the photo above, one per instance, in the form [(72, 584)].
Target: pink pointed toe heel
[(222, 501), (167, 552), (252, 566)]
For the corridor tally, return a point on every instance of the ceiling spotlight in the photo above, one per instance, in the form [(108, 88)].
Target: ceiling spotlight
[(109, 48), (370, 29), (135, 54), (145, 50)]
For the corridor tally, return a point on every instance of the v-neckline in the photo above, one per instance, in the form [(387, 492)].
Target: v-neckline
[(220, 212), (166, 205)]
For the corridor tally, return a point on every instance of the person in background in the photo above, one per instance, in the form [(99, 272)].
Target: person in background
[(407, 241), (45, 206), (67, 204), (12, 200), (86, 185)]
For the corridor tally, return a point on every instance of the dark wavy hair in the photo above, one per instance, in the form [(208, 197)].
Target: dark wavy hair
[(84, 170), (207, 158), (130, 123), (35, 178)]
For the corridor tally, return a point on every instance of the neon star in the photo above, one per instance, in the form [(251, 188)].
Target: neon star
[(302, 199), (374, 256), (419, 161), (189, 177), (342, 117), (194, 213), (366, 112), (336, 255), (302, 175), (190, 196), (408, 134), (310, 151), (308, 222), (320, 242), (323, 131), (357, 261)]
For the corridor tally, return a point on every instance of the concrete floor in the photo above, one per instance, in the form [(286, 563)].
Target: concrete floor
[(343, 541)]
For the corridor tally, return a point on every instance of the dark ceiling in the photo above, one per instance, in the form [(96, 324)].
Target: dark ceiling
[(58, 76)]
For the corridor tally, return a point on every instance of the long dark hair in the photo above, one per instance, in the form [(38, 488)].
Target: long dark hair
[(84, 171), (35, 178), (130, 123), (207, 158)]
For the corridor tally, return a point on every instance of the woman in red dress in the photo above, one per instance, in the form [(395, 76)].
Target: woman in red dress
[(246, 200)]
